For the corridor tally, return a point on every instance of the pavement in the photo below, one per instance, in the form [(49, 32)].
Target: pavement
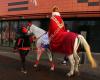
[(10, 67)]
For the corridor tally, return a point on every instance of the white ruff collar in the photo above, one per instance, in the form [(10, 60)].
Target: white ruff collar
[(55, 14)]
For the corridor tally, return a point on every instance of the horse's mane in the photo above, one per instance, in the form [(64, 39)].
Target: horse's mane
[(37, 30)]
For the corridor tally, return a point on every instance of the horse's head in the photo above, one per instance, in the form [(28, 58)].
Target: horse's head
[(29, 23)]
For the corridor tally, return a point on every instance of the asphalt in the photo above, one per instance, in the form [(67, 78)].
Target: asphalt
[(10, 68)]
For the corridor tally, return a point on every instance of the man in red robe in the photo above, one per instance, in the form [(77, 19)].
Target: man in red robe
[(60, 40)]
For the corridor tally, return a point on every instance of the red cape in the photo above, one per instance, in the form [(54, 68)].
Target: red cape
[(62, 41)]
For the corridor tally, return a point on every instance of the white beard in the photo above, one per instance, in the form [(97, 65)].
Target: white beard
[(55, 14)]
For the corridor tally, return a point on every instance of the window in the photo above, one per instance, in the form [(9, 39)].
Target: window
[(93, 4), (82, 1)]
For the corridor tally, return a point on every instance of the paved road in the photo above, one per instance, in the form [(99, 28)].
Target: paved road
[(10, 70)]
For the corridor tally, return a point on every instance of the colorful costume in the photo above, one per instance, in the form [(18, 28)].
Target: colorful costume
[(23, 47), (60, 40)]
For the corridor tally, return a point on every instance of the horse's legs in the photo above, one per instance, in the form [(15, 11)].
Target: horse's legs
[(39, 53), (72, 64), (49, 54), (50, 58), (76, 57)]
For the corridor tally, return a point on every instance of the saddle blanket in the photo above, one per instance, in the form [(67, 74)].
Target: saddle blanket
[(63, 43)]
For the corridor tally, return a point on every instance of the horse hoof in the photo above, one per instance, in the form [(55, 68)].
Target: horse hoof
[(23, 71), (64, 62), (35, 65), (70, 75), (52, 67)]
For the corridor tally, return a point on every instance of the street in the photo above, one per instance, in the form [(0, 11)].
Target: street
[(10, 70)]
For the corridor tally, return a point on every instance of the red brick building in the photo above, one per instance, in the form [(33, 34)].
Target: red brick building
[(43, 8)]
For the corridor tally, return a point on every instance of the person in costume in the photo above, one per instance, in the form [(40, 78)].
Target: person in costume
[(23, 47), (67, 43), (58, 34)]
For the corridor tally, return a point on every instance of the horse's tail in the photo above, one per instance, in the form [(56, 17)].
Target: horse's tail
[(88, 52)]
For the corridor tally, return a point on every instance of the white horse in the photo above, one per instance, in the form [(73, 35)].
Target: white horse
[(57, 32), (42, 39), (42, 43)]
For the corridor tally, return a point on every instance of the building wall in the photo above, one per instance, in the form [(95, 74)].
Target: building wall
[(68, 7)]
